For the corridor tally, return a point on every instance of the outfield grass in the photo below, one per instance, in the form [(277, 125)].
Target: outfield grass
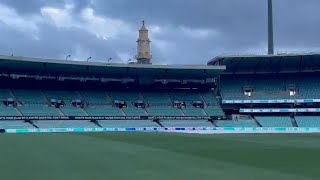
[(90, 156)]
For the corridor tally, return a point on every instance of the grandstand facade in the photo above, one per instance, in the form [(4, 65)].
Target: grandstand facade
[(273, 90), (232, 91), (41, 93)]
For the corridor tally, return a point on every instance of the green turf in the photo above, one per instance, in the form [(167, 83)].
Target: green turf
[(89, 156)]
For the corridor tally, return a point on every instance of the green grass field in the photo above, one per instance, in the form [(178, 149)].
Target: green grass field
[(90, 156)]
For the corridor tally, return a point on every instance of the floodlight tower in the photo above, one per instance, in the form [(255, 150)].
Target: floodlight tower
[(270, 28)]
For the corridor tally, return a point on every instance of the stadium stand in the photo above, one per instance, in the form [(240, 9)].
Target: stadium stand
[(104, 111), (73, 111), (29, 96), (39, 110), (185, 95), (164, 111), (96, 97), (214, 111), (274, 121), (236, 123), (210, 99), (145, 90), (64, 124), (134, 111), (308, 121), (234, 87), (66, 96), (157, 98), (15, 125), (212, 107), (4, 94), (302, 86), (129, 96), (309, 87), (127, 123), (9, 111), (186, 123), (193, 111), (271, 88)]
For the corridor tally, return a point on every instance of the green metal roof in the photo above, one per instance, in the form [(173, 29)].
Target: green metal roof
[(38, 66), (269, 63)]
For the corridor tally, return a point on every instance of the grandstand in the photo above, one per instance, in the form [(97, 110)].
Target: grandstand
[(275, 90), (40, 96), (232, 91), (274, 121), (59, 94), (216, 101), (308, 121)]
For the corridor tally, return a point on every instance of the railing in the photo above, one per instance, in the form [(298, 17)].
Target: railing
[(271, 101), (280, 110), (102, 117)]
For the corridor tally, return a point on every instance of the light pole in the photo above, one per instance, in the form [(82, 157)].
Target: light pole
[(109, 59), (270, 29), (88, 58)]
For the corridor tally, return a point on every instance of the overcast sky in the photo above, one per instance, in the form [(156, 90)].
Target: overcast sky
[(181, 31)]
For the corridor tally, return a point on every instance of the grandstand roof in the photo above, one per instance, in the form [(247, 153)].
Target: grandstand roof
[(39, 66), (279, 63)]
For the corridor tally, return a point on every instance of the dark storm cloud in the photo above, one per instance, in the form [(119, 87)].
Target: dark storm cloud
[(55, 43), (24, 7), (297, 24), (224, 26), (234, 18), (32, 6)]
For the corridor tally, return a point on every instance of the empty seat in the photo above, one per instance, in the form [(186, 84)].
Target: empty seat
[(235, 123), (308, 121), (185, 95), (124, 96), (133, 111), (210, 99), (39, 110), (66, 96), (164, 111), (30, 96), (274, 121), (104, 111), (186, 123), (214, 111), (96, 97), (232, 88), (73, 111), (8, 111), (157, 98), (12, 124), (127, 123), (4, 94), (193, 111), (65, 124)]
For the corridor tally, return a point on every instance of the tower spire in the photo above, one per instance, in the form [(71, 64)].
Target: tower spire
[(143, 46)]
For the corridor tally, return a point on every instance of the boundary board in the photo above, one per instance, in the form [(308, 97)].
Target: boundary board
[(209, 130)]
